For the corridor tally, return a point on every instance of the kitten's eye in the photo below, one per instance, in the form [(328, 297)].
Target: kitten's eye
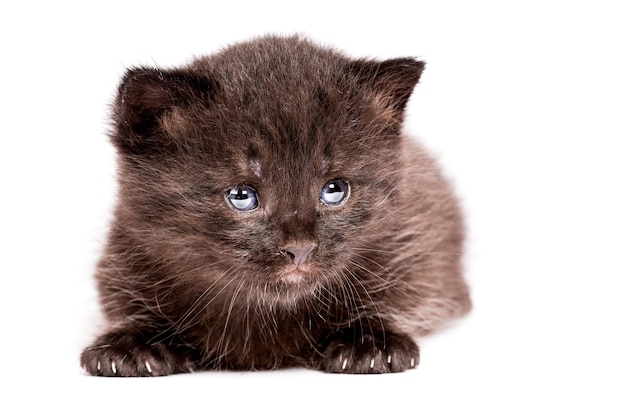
[(242, 198), (334, 192)]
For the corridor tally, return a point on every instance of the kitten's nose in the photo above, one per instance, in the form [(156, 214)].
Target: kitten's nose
[(299, 254)]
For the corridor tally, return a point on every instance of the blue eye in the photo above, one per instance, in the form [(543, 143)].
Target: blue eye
[(334, 192), (242, 198)]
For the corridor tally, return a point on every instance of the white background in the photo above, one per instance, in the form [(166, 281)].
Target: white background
[(524, 103)]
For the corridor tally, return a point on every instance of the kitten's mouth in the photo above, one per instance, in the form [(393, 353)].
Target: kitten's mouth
[(294, 274)]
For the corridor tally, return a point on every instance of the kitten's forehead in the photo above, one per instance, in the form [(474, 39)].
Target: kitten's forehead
[(256, 167)]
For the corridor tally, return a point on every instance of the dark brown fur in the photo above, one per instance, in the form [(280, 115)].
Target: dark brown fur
[(188, 283)]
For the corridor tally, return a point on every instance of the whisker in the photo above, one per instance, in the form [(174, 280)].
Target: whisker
[(367, 307), (194, 310), (222, 339)]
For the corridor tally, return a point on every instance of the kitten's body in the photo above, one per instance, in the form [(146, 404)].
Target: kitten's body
[(189, 281)]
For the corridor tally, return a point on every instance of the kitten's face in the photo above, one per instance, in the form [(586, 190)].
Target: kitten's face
[(256, 185)]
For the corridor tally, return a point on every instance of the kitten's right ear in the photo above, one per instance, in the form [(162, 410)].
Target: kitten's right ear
[(145, 95)]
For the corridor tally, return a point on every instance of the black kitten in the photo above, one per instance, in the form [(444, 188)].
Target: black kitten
[(272, 214)]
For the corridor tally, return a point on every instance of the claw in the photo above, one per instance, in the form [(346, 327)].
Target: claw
[(372, 364), (345, 364), (148, 367), (412, 362), (98, 366), (389, 359), (113, 368)]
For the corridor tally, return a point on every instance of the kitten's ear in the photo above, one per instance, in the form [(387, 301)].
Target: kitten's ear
[(393, 80), (145, 95)]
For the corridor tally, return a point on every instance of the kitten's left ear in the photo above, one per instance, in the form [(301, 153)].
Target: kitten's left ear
[(393, 80)]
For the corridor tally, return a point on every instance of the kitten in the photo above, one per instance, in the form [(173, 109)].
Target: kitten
[(271, 214)]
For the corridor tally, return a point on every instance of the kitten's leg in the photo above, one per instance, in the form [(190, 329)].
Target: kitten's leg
[(353, 351), (127, 353)]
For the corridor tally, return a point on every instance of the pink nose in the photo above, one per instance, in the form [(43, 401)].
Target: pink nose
[(299, 254)]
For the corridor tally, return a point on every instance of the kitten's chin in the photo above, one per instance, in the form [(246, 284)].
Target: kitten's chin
[(294, 275), (293, 278), (290, 286)]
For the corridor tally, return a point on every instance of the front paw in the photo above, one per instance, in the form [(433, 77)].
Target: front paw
[(369, 354), (119, 354)]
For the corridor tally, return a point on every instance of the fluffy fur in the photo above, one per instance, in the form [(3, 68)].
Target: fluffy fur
[(189, 283)]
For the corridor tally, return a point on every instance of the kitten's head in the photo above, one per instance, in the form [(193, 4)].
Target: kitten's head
[(270, 164)]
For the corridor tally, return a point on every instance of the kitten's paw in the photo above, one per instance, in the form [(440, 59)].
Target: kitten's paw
[(370, 355), (115, 354)]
